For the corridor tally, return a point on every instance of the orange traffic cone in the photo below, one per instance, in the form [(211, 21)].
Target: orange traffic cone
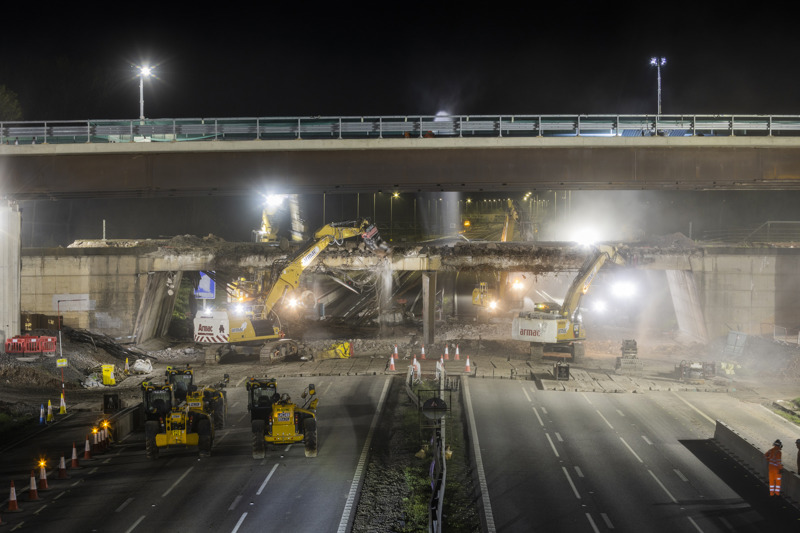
[(391, 364), (395, 352), (457, 358), (13, 506), (62, 469), (43, 477), (422, 356), (33, 494), (74, 457), (446, 353), (467, 369), (87, 451)]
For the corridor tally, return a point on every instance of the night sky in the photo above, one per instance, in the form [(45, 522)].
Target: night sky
[(353, 59), (405, 58)]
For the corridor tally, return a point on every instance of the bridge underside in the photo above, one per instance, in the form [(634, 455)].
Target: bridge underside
[(303, 166)]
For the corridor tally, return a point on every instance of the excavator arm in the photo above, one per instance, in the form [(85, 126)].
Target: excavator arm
[(289, 277), (586, 276)]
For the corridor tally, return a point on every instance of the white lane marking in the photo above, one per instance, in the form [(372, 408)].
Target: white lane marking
[(124, 505), (620, 413), (288, 447), (93, 470), (631, 450), (647, 440), (701, 413), (604, 420), (135, 524), (107, 461), (671, 497), (221, 437), (239, 523), (578, 471), (240, 381), (60, 494), (558, 436), (176, 482), (362, 460), (591, 522), (17, 526), (694, 524), (539, 417), (484, 486), (586, 398), (526, 394), (571, 484), (726, 523), (607, 520), (77, 483), (39, 510), (235, 502), (680, 475), (325, 392), (544, 411), (551, 444), (234, 405), (261, 488), (242, 417)]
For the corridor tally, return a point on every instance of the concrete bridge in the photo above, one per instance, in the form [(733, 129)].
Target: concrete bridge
[(335, 154), (124, 291)]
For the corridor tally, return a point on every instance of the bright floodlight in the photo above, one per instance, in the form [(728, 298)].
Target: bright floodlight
[(599, 306), (624, 289), (658, 61), (274, 200)]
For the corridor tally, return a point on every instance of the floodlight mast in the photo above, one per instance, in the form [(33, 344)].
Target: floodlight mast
[(658, 62), (144, 72)]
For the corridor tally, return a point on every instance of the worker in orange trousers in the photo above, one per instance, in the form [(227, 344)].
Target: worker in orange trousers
[(773, 456)]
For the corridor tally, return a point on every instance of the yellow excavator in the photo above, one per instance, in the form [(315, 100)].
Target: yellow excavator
[(261, 327), (559, 327), (483, 296)]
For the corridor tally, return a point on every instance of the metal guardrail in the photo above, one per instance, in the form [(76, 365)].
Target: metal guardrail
[(770, 232), (277, 128)]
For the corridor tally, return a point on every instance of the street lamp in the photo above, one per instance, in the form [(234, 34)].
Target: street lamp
[(391, 214), (144, 72), (658, 62)]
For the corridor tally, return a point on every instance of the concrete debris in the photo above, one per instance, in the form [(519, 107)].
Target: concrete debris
[(141, 366)]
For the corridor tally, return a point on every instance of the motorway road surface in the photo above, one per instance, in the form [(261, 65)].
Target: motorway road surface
[(122, 491), (571, 461)]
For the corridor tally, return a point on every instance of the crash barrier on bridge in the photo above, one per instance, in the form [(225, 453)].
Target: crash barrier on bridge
[(405, 126), (752, 458), (22, 344)]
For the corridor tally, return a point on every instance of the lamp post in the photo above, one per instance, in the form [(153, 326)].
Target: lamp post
[(391, 214), (144, 72), (658, 62)]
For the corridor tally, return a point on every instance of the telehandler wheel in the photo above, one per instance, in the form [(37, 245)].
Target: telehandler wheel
[(219, 413), (150, 447), (310, 436), (204, 437), (258, 439)]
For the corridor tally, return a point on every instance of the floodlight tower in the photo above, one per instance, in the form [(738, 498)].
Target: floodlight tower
[(658, 62), (144, 72)]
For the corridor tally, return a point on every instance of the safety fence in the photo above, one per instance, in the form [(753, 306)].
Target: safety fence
[(397, 126), (30, 344), (752, 458)]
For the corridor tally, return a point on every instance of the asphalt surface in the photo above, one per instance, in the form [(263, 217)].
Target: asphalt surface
[(597, 452), (121, 490), (589, 461)]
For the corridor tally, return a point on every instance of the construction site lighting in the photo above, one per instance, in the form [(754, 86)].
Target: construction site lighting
[(623, 289)]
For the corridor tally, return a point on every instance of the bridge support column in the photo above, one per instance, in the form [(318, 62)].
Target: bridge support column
[(10, 239), (155, 309), (428, 307), (685, 299)]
